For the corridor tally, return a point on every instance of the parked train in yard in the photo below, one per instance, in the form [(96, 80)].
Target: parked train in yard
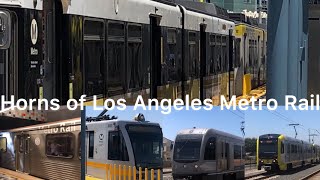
[(208, 154), (120, 49), (47, 151), (279, 152)]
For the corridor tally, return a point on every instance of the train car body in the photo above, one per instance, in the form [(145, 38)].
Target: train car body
[(48, 151), (122, 49), (250, 52), (124, 143), (279, 152), (208, 154)]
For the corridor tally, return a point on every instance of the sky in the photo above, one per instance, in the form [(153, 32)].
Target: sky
[(256, 122)]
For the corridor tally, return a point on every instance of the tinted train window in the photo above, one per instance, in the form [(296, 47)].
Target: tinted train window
[(210, 151), (212, 58), (117, 148), (60, 145), (3, 144), (93, 48), (218, 55), (237, 152), (193, 55), (116, 59), (282, 148), (137, 71), (91, 144), (224, 55), (171, 69)]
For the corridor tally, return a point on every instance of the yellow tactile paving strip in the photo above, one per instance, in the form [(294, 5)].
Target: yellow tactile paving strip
[(91, 178), (17, 175), (257, 93)]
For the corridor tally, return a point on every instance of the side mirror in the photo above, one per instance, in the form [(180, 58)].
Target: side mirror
[(5, 29)]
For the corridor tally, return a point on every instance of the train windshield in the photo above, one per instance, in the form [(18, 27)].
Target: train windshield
[(187, 149), (147, 143), (268, 148)]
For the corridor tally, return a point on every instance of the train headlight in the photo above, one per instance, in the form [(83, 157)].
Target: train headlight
[(5, 29), (196, 166)]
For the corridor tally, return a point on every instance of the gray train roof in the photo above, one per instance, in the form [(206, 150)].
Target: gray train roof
[(204, 131), (122, 122), (70, 122)]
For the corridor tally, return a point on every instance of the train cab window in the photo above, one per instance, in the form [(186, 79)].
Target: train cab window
[(193, 56), (3, 144), (117, 148), (210, 150), (94, 59), (282, 148), (237, 152), (137, 72), (91, 144), (211, 63), (116, 81), (60, 145)]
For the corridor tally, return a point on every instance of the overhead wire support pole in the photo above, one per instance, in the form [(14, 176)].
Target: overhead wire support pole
[(294, 126), (243, 128)]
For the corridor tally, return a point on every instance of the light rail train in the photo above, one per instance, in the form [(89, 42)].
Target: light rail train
[(208, 154), (279, 152), (135, 143), (120, 49), (48, 151)]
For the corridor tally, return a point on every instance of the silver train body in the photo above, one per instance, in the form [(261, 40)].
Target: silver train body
[(126, 143), (208, 154), (48, 151)]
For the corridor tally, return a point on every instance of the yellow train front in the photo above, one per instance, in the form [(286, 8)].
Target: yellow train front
[(279, 152)]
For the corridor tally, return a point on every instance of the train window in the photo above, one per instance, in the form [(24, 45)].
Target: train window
[(60, 145), (224, 61), (117, 148), (93, 49), (237, 152), (79, 144), (282, 148), (237, 57), (136, 71), (211, 63), (218, 55), (3, 144), (243, 152), (116, 59), (193, 56), (91, 144), (172, 66), (210, 150)]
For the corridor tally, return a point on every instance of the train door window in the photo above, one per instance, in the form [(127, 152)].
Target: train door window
[(218, 54), (117, 148), (224, 60), (237, 53), (193, 55), (282, 148), (212, 58), (94, 58), (91, 144), (79, 145), (3, 144), (136, 70), (210, 150), (237, 152), (21, 144), (243, 152), (116, 59), (292, 148), (222, 148), (60, 145), (171, 60)]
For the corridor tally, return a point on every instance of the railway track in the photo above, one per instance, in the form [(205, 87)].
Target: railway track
[(313, 176), (261, 176)]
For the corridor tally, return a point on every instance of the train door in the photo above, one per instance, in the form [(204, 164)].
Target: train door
[(227, 154), (156, 59), (22, 150), (222, 163), (9, 55), (231, 65), (203, 59)]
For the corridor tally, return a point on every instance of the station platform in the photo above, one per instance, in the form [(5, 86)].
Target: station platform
[(6, 174)]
